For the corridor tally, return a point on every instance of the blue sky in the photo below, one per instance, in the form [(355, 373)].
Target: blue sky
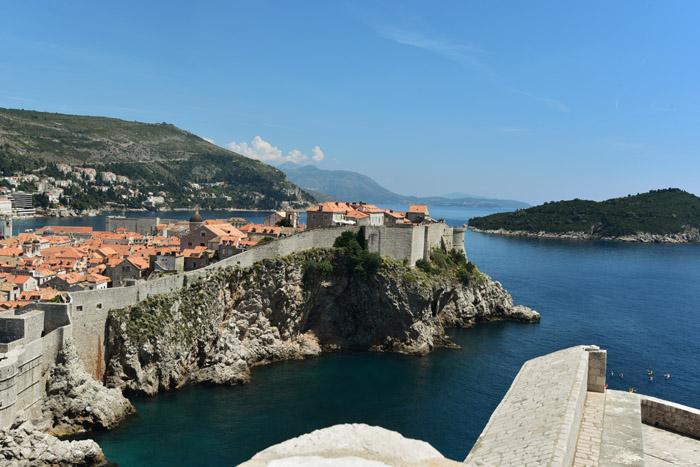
[(534, 101)]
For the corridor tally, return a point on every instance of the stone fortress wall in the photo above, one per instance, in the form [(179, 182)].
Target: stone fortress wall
[(29, 342), (30, 338)]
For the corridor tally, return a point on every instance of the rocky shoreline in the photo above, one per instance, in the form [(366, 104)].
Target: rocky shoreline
[(689, 235), (215, 330), (75, 403)]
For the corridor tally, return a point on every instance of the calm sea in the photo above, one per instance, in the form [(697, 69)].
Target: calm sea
[(640, 302)]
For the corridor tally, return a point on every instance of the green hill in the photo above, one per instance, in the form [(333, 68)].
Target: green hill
[(662, 212), (156, 157)]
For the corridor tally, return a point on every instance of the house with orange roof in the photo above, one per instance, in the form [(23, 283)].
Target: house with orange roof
[(78, 281), (247, 243), (202, 234), (24, 282), (134, 267), (9, 291), (8, 263), (13, 304), (417, 213), (225, 246), (335, 213), (197, 257), (167, 261), (44, 294), (392, 217)]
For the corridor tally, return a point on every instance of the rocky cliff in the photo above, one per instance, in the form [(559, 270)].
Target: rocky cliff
[(688, 235), (23, 445), (75, 402), (216, 329)]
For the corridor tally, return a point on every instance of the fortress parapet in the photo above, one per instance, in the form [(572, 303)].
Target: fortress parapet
[(30, 339)]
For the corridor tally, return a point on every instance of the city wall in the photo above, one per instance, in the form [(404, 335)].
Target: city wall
[(30, 338), (89, 309)]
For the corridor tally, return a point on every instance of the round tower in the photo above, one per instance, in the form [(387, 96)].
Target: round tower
[(458, 238)]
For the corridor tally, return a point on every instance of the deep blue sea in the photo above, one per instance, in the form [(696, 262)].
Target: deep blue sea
[(640, 302)]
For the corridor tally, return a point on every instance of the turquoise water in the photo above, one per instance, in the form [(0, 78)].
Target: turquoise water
[(641, 302)]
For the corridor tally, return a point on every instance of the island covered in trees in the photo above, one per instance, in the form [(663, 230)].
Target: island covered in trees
[(670, 216)]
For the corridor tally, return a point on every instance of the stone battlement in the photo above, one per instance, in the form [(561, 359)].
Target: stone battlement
[(38, 330)]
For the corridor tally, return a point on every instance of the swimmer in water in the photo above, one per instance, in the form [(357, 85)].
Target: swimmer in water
[(667, 376), (621, 375), (612, 373), (651, 379)]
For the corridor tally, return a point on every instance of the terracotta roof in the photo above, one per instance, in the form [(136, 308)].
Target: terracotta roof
[(139, 261), (356, 215), (18, 279), (223, 229), (67, 229), (337, 206), (418, 208)]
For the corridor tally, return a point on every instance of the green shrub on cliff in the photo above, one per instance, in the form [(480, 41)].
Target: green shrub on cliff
[(313, 269), (453, 263), (359, 261)]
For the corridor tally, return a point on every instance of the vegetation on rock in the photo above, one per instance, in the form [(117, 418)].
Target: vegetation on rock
[(359, 262), (661, 212), (156, 157)]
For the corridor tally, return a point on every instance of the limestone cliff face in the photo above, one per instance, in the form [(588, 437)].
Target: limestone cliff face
[(216, 329), (23, 445), (75, 402)]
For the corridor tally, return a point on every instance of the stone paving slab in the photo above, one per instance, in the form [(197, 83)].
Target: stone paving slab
[(664, 448), (622, 442), (591, 431), (537, 421)]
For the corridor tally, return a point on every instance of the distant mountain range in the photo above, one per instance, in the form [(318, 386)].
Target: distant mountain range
[(345, 185)]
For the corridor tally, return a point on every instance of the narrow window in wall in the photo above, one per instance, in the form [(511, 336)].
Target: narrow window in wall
[(79, 308), (99, 306)]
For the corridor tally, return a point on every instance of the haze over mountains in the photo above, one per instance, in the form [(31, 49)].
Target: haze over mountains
[(352, 186)]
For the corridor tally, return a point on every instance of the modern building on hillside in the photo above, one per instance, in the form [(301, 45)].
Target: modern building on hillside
[(22, 204)]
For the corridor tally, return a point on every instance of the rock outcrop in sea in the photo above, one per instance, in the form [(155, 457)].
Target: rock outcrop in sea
[(216, 329), (75, 402), (23, 445)]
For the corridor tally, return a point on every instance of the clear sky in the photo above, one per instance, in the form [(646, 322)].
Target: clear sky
[(533, 101)]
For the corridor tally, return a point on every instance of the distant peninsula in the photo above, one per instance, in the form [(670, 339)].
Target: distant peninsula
[(659, 216), (344, 185)]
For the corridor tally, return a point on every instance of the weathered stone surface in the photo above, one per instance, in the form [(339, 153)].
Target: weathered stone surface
[(75, 402), (218, 328), (350, 444), (23, 445)]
